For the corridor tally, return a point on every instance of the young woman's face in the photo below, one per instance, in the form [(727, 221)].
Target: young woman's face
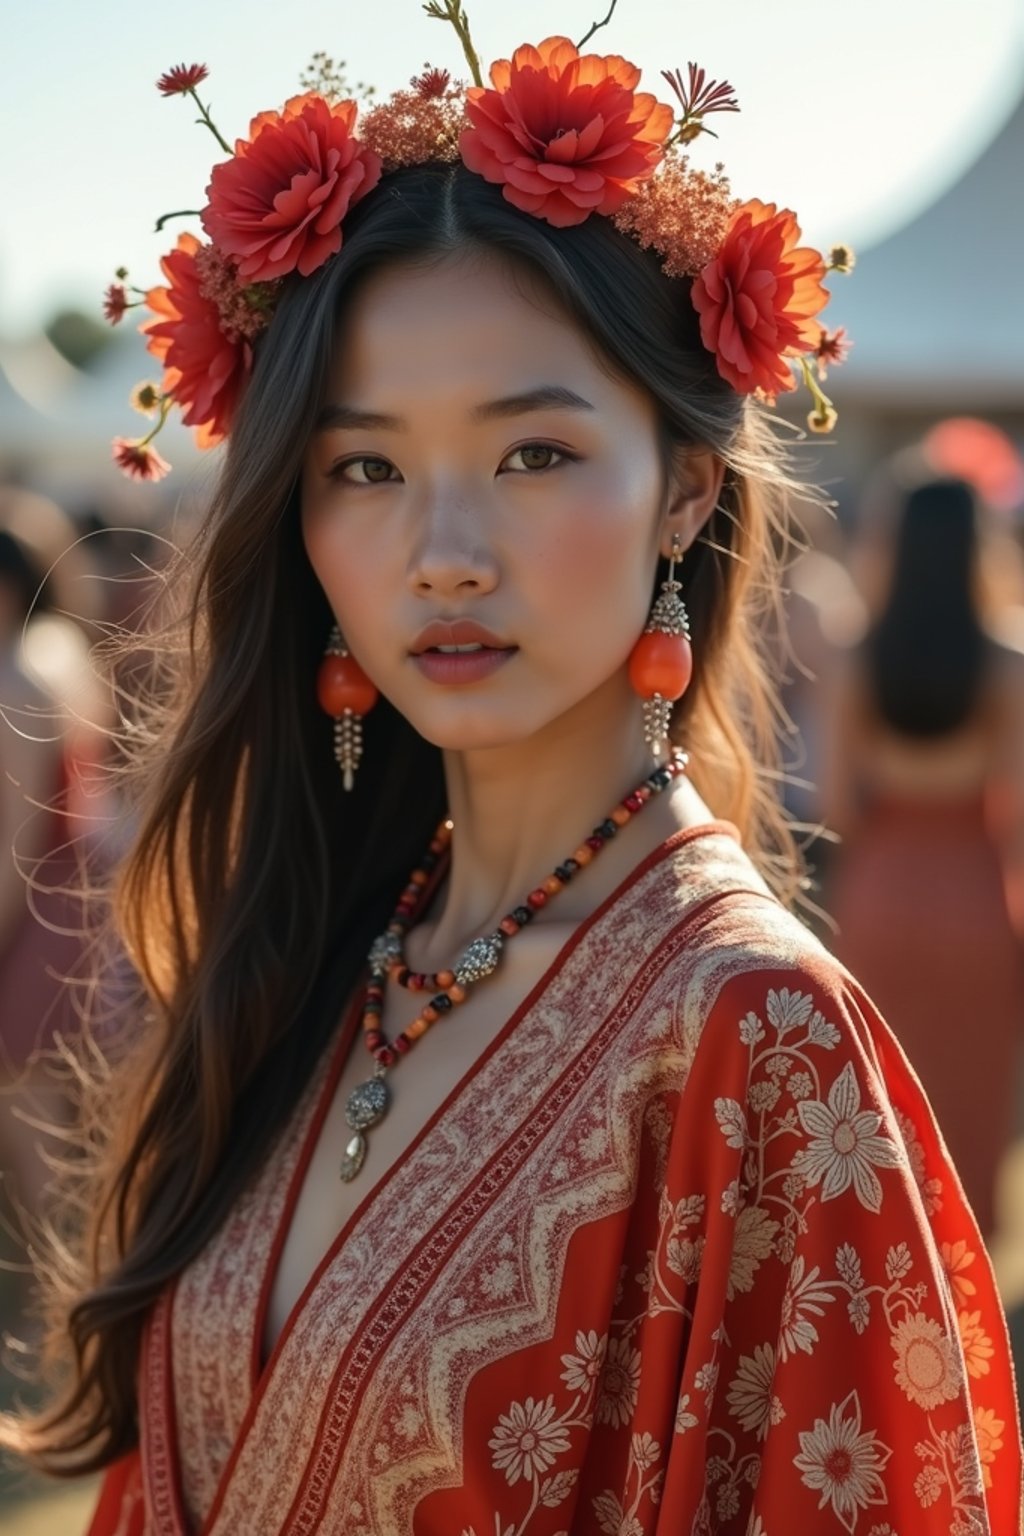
[(474, 461)]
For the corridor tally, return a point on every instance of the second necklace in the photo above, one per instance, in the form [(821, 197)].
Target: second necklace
[(368, 1103)]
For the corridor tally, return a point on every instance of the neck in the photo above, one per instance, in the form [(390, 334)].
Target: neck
[(519, 811)]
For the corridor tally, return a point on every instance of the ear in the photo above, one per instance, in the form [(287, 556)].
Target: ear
[(695, 487)]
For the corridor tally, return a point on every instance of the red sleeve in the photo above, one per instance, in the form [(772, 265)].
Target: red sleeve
[(855, 1375), (120, 1510)]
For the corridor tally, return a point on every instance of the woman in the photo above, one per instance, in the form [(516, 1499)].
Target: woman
[(642, 1222), (923, 785)]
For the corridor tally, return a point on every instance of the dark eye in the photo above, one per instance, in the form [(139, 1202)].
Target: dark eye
[(372, 471), (538, 456)]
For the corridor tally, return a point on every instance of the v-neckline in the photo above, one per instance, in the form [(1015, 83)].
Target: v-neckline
[(259, 1373), (260, 1377)]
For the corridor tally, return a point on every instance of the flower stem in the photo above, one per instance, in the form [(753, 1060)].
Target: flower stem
[(206, 119), (596, 26), (451, 10), (165, 408), (179, 213), (822, 403)]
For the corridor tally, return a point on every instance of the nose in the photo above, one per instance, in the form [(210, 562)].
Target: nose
[(451, 555)]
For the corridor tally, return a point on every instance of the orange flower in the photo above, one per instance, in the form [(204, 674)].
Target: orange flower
[(956, 1258), (205, 367), (565, 134), (977, 1345), (138, 460), (989, 1431), (277, 205), (758, 298)]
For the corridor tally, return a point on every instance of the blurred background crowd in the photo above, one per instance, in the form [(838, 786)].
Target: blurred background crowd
[(905, 687)]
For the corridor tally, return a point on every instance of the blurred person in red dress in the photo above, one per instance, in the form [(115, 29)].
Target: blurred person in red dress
[(924, 781)]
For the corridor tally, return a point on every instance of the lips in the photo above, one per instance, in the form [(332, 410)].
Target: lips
[(447, 632)]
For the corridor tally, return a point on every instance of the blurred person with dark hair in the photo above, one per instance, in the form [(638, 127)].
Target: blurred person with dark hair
[(924, 783)]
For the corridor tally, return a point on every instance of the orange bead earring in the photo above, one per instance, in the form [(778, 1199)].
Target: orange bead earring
[(661, 662), (345, 692)]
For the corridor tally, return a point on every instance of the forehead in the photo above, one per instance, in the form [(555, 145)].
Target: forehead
[(465, 320)]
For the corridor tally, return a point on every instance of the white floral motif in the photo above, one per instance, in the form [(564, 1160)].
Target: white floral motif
[(525, 1441), (764, 1096), (823, 1033), (926, 1366), (751, 1029), (848, 1265), (500, 1281), (804, 1294), (731, 1198), (844, 1144), (646, 1450), (594, 1144), (750, 1393), (410, 1421), (842, 1462), (752, 1243), (788, 1010), (583, 1368), (928, 1484), (733, 1122), (620, 1382), (859, 1311), (684, 1418)]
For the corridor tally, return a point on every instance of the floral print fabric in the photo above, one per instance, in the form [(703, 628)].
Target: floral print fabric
[(712, 1273), (814, 1272)]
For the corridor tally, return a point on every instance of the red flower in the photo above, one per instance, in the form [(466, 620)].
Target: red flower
[(205, 368), (115, 302), (277, 205), (432, 82), (139, 461), (565, 134), (757, 299), (182, 79)]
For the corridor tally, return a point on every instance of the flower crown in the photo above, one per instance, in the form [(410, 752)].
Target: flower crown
[(565, 134)]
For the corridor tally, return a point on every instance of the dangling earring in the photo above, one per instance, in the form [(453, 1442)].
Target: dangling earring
[(661, 662), (345, 692)]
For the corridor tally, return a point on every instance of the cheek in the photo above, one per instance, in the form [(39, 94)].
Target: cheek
[(597, 574), (348, 558)]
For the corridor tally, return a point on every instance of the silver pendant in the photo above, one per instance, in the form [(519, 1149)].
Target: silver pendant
[(366, 1106), (480, 959), (355, 1156)]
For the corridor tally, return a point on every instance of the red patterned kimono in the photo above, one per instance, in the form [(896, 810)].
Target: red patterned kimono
[(683, 1254)]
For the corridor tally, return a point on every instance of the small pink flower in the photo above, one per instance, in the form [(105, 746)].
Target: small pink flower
[(182, 79), (115, 302), (831, 350), (138, 460)]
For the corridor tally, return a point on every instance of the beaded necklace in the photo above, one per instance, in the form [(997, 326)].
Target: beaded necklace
[(368, 1103)]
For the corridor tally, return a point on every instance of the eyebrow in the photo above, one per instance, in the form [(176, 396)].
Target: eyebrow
[(544, 397)]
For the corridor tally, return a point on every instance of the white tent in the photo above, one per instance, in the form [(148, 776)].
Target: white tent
[(936, 311)]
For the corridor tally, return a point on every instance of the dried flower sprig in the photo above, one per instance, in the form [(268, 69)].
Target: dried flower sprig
[(419, 124), (698, 99), (327, 77)]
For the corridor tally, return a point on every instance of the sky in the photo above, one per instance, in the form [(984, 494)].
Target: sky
[(855, 113)]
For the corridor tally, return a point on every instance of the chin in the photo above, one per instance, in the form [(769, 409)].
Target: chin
[(470, 730)]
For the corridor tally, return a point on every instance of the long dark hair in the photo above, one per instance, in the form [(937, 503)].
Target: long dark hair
[(253, 886), (926, 652)]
